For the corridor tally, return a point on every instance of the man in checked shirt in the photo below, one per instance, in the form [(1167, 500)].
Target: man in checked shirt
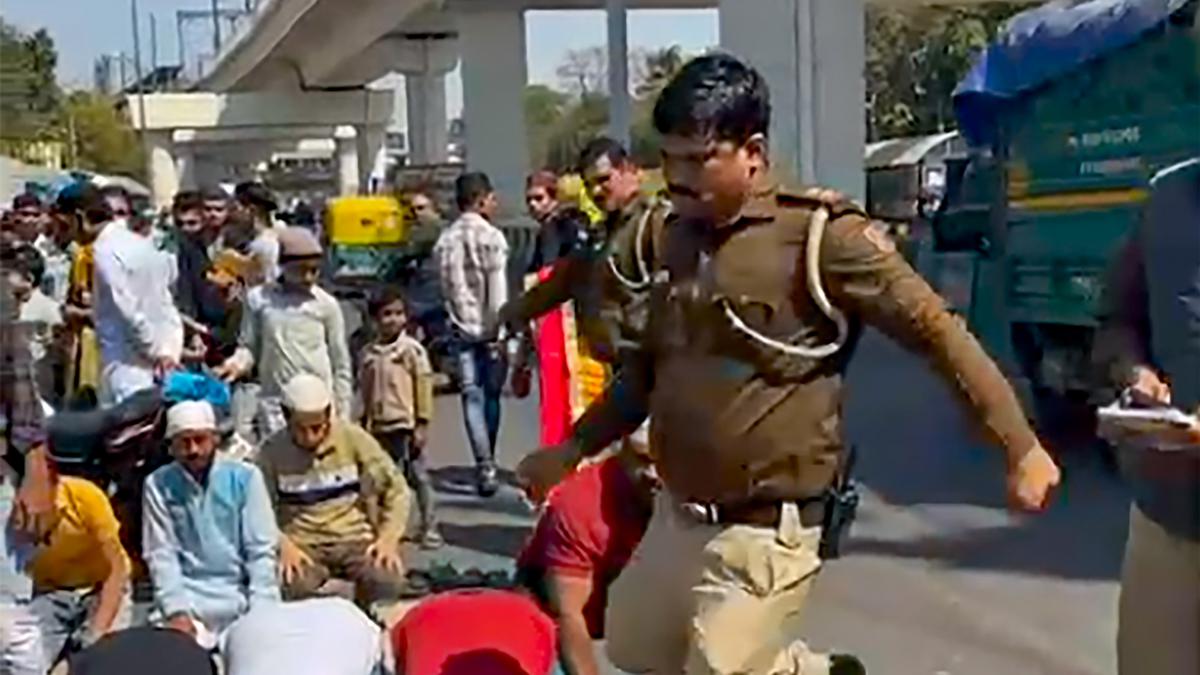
[(472, 257)]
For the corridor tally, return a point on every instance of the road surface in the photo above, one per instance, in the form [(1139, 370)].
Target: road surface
[(937, 579)]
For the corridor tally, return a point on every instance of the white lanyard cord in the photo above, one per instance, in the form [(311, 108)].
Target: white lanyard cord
[(643, 269), (816, 232)]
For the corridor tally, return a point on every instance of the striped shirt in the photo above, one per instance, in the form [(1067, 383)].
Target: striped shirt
[(472, 257), (348, 489)]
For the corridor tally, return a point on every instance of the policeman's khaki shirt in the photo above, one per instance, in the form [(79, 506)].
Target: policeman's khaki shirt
[(609, 308), (735, 422)]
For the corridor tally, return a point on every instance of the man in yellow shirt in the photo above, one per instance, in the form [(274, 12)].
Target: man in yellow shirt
[(80, 571), (341, 503)]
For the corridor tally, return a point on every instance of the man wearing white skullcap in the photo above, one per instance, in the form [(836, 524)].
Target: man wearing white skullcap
[(322, 472), (209, 534)]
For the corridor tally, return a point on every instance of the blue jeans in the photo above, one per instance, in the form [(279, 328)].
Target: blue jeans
[(65, 617), (481, 369)]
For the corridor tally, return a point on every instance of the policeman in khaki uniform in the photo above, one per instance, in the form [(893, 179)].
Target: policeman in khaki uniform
[(608, 277), (756, 306)]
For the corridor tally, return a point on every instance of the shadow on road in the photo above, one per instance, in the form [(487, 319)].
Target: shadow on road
[(460, 480), (916, 449), (504, 504), (1075, 541), (490, 538)]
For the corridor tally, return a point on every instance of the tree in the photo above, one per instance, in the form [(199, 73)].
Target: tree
[(29, 93), (655, 68), (544, 109), (102, 139), (584, 72), (916, 57), (583, 121), (560, 124)]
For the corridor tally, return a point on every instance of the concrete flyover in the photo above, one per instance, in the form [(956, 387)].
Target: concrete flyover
[(193, 138), (810, 51)]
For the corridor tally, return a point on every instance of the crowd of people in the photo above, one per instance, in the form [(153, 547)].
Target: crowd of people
[(690, 351)]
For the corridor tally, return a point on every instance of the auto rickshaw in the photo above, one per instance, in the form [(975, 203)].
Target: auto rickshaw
[(366, 239)]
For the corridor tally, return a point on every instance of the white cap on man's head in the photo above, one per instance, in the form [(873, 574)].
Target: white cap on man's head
[(190, 416), (306, 393)]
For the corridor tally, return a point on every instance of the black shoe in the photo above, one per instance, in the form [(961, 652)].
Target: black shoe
[(486, 484), (846, 664)]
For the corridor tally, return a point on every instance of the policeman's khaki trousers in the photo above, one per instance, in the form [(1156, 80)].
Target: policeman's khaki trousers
[(707, 599), (1159, 619)]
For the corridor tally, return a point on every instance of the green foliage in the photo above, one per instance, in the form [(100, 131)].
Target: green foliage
[(585, 119), (560, 124), (656, 70), (33, 108), (103, 140), (544, 109), (916, 57), (29, 93)]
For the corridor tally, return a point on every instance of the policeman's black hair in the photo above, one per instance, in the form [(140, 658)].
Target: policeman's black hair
[(24, 260), (602, 147), (469, 188), (385, 297), (715, 96)]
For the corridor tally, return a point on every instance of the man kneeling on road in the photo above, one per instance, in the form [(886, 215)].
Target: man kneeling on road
[(592, 523), (341, 503), (209, 531)]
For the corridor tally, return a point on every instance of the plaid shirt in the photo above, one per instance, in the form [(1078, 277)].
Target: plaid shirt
[(472, 257), (20, 402)]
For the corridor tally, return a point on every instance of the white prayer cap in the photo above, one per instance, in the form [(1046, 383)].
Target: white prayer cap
[(306, 394), (190, 416)]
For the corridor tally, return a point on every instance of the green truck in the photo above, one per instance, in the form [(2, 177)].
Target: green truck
[(1068, 116)]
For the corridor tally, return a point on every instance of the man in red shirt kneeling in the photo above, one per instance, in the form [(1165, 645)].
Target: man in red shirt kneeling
[(592, 523)]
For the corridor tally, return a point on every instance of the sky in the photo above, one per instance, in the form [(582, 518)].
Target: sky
[(85, 29)]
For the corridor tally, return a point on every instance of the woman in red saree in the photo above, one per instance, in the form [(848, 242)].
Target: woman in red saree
[(568, 378)]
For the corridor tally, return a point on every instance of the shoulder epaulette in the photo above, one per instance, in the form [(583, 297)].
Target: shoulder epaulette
[(838, 203)]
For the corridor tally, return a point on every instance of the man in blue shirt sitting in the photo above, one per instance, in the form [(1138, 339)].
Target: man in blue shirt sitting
[(210, 537)]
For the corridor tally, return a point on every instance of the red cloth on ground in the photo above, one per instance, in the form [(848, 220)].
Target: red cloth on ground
[(475, 632), (592, 523)]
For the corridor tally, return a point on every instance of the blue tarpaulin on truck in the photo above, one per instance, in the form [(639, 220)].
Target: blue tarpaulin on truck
[(1042, 44)]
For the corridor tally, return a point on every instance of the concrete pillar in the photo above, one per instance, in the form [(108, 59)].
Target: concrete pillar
[(371, 148), (618, 73), (160, 165), (346, 158), (812, 54), (493, 73), (185, 166), (425, 95)]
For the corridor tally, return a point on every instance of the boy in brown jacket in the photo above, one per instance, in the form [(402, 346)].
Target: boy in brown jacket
[(397, 395)]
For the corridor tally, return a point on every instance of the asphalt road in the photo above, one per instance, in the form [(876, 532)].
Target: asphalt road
[(938, 579)]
